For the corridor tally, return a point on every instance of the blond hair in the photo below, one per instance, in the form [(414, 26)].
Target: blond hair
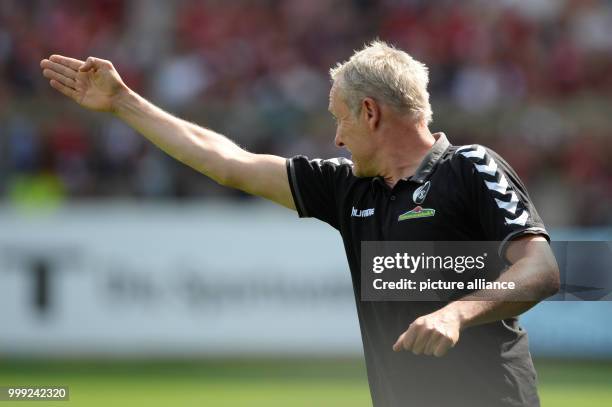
[(386, 74)]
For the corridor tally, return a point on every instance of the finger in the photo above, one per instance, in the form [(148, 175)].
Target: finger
[(71, 93), (409, 337), (64, 70), (442, 348), (48, 73), (434, 339), (69, 62), (420, 342)]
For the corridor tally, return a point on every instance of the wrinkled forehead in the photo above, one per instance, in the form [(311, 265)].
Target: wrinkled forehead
[(332, 92), (333, 98)]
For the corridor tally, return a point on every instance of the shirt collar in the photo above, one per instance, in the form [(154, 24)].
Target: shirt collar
[(429, 162)]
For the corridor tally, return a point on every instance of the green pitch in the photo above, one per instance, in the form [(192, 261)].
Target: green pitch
[(254, 383)]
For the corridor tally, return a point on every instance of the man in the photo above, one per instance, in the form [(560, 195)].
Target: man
[(380, 101)]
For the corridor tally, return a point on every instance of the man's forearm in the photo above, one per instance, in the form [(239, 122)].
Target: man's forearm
[(534, 272), (472, 313), (535, 279), (200, 148)]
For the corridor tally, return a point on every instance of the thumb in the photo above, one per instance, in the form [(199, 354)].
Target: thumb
[(398, 344), (90, 63)]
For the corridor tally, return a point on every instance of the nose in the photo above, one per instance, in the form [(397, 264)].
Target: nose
[(338, 141)]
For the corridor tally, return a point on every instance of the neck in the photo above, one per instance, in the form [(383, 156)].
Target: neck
[(403, 152)]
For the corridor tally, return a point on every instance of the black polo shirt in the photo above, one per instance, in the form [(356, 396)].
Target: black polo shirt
[(457, 193)]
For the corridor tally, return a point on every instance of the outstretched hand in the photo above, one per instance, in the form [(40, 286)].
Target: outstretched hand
[(94, 84)]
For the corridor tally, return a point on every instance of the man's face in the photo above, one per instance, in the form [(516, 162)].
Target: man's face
[(353, 134)]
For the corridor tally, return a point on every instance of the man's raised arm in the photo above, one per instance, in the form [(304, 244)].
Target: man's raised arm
[(96, 85)]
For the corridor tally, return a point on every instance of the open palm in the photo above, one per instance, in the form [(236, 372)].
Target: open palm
[(93, 84)]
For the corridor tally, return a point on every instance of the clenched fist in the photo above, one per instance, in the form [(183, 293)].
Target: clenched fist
[(432, 334), (94, 84)]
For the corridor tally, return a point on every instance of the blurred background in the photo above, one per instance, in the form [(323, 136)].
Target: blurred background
[(122, 268)]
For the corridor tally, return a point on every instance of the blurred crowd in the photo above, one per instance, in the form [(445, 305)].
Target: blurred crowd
[(530, 79)]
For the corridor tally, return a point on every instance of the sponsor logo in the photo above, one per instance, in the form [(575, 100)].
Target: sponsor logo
[(417, 212), (362, 213), (421, 192)]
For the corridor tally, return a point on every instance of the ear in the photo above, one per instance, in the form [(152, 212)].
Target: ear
[(370, 111)]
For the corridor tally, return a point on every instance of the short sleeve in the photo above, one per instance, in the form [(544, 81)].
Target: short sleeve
[(318, 185), (498, 197)]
